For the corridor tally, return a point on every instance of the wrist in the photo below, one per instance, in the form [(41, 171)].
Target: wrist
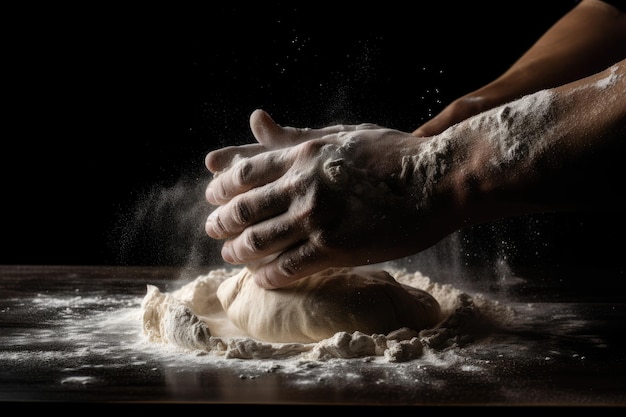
[(502, 151)]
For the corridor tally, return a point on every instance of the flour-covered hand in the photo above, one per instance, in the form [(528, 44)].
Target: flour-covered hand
[(329, 201), (270, 136)]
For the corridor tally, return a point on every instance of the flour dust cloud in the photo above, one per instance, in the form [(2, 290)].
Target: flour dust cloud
[(166, 227)]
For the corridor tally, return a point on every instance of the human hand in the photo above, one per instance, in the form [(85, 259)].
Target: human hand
[(270, 136), (340, 196)]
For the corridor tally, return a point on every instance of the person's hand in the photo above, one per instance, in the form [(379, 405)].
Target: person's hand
[(339, 196), (270, 136)]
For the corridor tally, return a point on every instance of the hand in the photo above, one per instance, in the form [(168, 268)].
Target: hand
[(331, 199), (270, 136)]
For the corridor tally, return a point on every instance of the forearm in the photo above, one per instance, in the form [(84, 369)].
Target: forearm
[(359, 195), (586, 40), (556, 149), (589, 38)]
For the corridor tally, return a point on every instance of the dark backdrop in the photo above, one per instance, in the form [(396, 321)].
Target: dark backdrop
[(110, 112)]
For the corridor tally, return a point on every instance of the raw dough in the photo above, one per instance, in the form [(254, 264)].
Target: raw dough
[(335, 300)]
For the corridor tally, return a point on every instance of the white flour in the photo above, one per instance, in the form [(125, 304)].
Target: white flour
[(83, 339), (610, 80), (191, 319)]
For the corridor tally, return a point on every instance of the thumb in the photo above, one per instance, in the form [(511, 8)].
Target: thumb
[(265, 130)]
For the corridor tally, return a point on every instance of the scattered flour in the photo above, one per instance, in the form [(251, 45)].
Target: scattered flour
[(192, 319), (516, 129), (429, 164), (513, 132), (610, 80), (88, 337)]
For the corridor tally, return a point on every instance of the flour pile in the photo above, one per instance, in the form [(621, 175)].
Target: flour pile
[(192, 318)]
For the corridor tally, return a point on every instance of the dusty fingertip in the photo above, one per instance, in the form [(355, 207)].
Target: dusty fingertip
[(260, 115), (214, 216), (256, 114), (259, 120), (215, 229), (209, 228), (210, 162), (210, 196)]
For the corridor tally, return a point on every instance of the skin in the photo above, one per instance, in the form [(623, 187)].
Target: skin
[(586, 40), (302, 200)]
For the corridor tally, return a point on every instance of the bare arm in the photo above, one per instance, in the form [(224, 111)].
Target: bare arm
[(589, 38), (557, 149), (363, 195)]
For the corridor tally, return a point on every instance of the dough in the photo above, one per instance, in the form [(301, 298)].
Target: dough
[(316, 307)]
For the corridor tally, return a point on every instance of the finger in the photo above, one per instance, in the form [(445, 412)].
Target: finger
[(270, 134), (273, 136), (246, 174), (264, 241), (246, 210), (293, 264), (221, 159)]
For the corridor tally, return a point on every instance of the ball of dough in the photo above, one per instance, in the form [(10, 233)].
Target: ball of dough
[(318, 306)]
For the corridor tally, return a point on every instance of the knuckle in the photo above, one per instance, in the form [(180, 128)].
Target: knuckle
[(291, 265), (241, 213), (216, 191), (253, 241), (287, 267), (222, 192), (219, 227), (242, 173)]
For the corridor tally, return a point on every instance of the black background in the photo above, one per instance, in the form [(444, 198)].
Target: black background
[(109, 113)]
